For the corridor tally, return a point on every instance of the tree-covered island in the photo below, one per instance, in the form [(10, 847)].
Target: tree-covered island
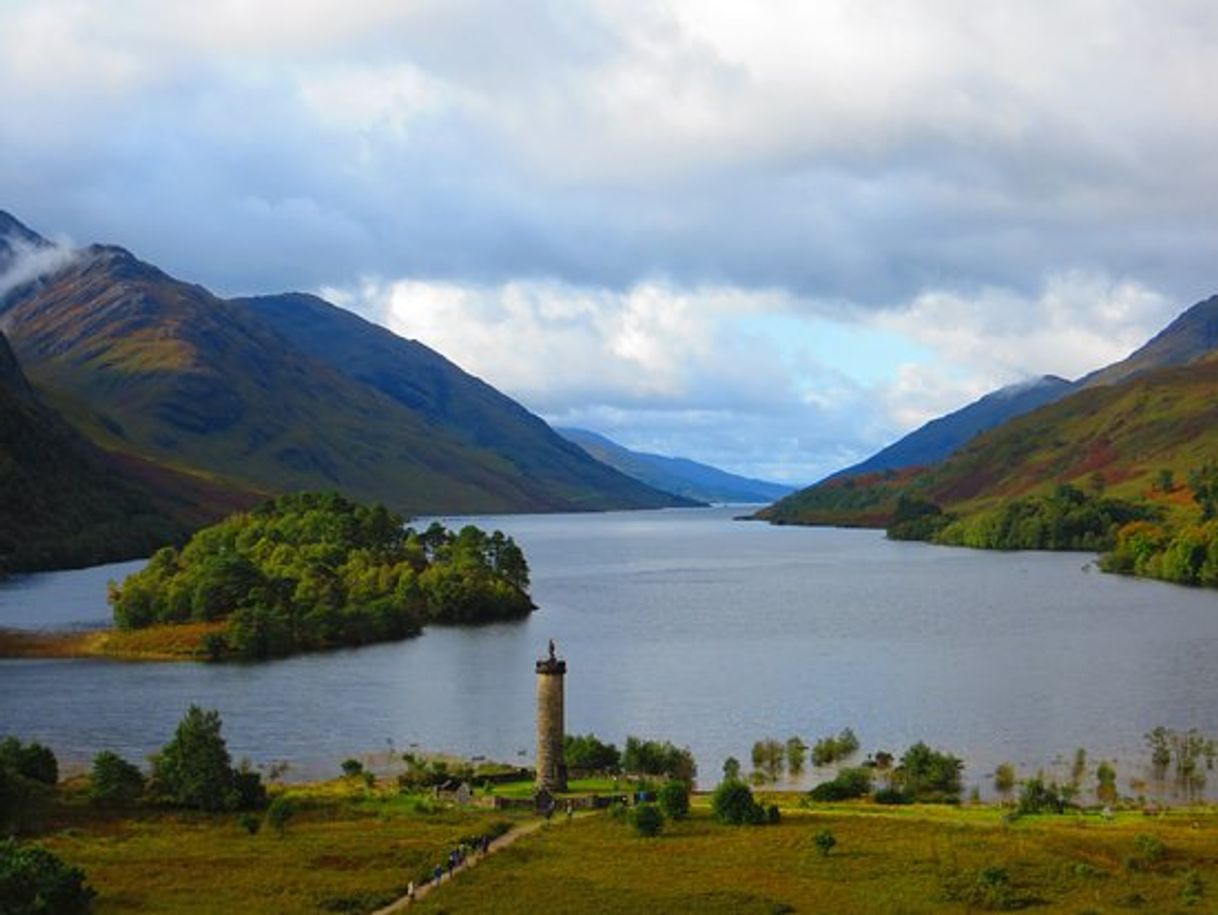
[(311, 571)]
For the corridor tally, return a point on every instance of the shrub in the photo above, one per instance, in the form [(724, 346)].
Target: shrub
[(849, 783), (674, 800), (282, 810), (825, 841), (1038, 797), (1004, 779), (829, 750), (1149, 848), (772, 814), (114, 781), (1192, 888), (250, 823), (930, 775), (892, 796), (647, 820), (733, 803), (651, 757), (352, 768), (32, 760), (33, 881), (990, 888)]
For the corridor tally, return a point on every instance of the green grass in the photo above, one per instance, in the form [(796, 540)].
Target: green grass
[(908, 860), (344, 850)]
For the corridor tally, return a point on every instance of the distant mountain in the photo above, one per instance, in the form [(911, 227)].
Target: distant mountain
[(62, 501), (450, 400), (1158, 413), (677, 475), (1193, 335), (165, 372), (941, 437)]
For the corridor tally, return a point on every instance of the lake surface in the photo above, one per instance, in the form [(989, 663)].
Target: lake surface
[(689, 626)]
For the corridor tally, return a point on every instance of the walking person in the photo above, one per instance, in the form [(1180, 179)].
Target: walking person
[(438, 874)]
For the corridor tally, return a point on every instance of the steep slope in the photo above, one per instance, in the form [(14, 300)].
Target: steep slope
[(1193, 335), (62, 501), (677, 475), (1122, 427), (168, 374), (940, 437), (451, 400)]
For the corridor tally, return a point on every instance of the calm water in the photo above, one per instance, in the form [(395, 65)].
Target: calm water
[(688, 626)]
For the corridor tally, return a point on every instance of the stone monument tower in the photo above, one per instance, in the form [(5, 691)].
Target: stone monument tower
[(551, 768)]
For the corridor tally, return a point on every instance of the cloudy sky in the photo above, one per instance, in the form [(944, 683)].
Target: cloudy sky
[(772, 236)]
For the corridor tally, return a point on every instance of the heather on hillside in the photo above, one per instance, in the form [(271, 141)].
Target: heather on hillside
[(312, 571)]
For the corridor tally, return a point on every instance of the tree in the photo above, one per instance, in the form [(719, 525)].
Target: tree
[(352, 768), (585, 751), (849, 783), (32, 760), (114, 781), (33, 881), (194, 768), (1105, 775), (796, 754), (768, 758), (1204, 483), (1004, 779), (733, 803), (731, 769), (930, 775), (647, 820), (674, 800), (282, 810), (651, 757)]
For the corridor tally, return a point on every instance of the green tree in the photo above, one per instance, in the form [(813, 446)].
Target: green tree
[(647, 820), (930, 775), (797, 753), (1203, 481), (731, 769), (848, 783), (1004, 779), (585, 751), (1105, 775), (280, 813), (31, 760), (674, 800), (33, 881), (733, 803), (114, 781), (768, 758), (194, 768)]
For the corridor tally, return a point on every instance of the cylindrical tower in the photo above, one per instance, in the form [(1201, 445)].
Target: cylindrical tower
[(551, 767)]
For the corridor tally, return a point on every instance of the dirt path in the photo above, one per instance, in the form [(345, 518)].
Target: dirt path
[(496, 845)]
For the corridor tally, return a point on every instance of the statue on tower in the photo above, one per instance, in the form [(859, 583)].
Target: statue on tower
[(551, 766)]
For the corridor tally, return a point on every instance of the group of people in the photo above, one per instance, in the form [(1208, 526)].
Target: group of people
[(479, 845)]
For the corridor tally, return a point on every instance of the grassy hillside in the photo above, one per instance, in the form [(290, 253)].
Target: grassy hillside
[(1121, 437), (63, 502), (171, 376)]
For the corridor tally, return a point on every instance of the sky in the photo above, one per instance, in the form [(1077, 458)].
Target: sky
[(770, 236)]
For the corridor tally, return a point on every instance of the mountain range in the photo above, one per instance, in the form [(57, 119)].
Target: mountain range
[(253, 396), (1150, 416), (682, 476)]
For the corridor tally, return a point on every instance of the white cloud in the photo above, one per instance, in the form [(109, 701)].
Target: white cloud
[(24, 262)]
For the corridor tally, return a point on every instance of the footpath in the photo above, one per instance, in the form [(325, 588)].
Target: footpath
[(422, 890)]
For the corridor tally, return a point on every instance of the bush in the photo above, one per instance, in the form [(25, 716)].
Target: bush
[(849, 783), (930, 775), (825, 841), (651, 757), (250, 823), (990, 888), (352, 768), (1004, 779), (829, 750), (32, 760), (674, 800), (282, 810), (35, 882), (892, 796), (647, 820), (733, 803), (1038, 797), (114, 781)]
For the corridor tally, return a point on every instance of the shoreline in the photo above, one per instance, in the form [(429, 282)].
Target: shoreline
[(179, 642)]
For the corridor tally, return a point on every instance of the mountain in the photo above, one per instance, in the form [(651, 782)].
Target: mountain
[(1191, 336), (1158, 414), (677, 475), (940, 437), (471, 411), (165, 372), (64, 503)]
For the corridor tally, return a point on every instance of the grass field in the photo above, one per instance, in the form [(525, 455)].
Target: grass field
[(907, 860), (345, 850)]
